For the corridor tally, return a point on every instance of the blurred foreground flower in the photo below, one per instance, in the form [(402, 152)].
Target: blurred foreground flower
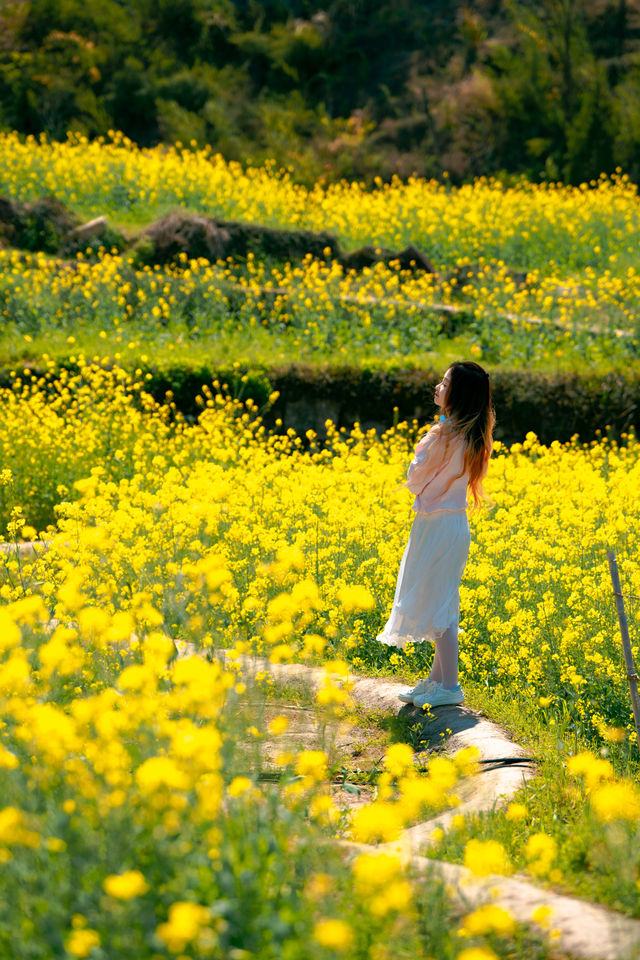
[(125, 886), (484, 857), (489, 918), (333, 934)]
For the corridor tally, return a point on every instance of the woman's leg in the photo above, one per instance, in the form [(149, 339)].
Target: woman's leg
[(447, 654), (436, 669)]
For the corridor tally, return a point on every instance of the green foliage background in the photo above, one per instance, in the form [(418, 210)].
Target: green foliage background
[(348, 88)]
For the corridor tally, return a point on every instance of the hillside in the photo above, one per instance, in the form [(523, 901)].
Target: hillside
[(343, 89)]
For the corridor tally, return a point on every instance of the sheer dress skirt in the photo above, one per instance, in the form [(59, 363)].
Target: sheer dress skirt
[(427, 598)]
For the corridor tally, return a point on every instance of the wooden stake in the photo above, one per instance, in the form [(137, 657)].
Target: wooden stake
[(632, 676)]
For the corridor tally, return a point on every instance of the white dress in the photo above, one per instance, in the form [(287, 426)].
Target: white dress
[(427, 597)]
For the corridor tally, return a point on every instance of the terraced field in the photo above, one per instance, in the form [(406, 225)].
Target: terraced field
[(541, 275), (159, 799)]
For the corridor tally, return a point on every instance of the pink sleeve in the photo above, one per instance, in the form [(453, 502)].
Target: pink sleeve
[(424, 466)]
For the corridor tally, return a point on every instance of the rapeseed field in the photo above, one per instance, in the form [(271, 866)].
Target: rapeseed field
[(138, 817), (163, 493), (526, 224), (126, 793), (540, 274)]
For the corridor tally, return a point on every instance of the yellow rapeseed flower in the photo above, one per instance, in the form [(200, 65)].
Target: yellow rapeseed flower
[(477, 953), (377, 821), (185, 923), (398, 759), (593, 769), (540, 851), (356, 597), (157, 773), (484, 857), (81, 942), (516, 812), (14, 829), (333, 934), (489, 918), (312, 764), (616, 801), (371, 872), (125, 886), (238, 786), (541, 915), (278, 726)]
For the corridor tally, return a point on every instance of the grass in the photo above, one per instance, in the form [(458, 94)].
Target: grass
[(179, 317)]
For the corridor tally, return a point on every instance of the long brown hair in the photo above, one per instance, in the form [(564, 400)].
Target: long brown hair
[(470, 413)]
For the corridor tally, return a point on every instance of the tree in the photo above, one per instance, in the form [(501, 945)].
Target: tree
[(556, 96)]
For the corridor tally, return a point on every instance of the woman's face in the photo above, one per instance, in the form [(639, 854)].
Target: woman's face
[(442, 390)]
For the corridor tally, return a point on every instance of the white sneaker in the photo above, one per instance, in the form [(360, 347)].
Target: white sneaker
[(439, 696), (422, 686)]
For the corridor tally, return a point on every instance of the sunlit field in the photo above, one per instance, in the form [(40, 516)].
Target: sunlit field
[(222, 535), (539, 274), (146, 556), (312, 312), (528, 226), (94, 453)]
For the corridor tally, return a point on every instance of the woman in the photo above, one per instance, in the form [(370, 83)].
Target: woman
[(453, 456)]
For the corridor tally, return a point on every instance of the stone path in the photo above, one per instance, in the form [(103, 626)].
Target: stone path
[(585, 929), (582, 929), (449, 729), (353, 749), (25, 550)]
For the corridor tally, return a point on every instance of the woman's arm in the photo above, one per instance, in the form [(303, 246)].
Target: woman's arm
[(426, 463)]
